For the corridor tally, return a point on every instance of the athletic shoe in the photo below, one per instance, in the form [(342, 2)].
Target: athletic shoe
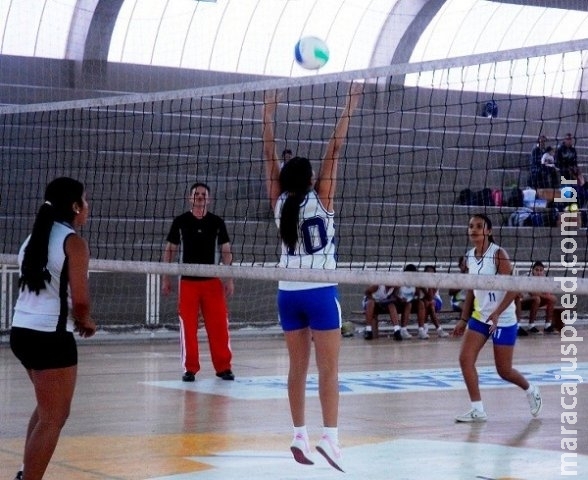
[(397, 335), (405, 334), (423, 335), (442, 333), (549, 329), (331, 452), (368, 334), (188, 377), (473, 416), (535, 401), (301, 450), (18, 475), (226, 375), (533, 329), (521, 332)]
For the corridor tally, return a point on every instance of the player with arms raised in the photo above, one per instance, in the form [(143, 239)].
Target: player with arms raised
[(309, 312)]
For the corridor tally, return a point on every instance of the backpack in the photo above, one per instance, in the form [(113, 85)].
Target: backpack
[(489, 109), (466, 197), (522, 217), (514, 198), (546, 218), (497, 197), (485, 198)]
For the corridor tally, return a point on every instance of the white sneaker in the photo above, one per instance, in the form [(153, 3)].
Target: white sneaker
[(473, 416), (301, 450), (405, 334), (535, 401), (332, 453), (423, 335), (442, 333)]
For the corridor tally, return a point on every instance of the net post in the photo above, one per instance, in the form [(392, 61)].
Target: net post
[(4, 300), (152, 299)]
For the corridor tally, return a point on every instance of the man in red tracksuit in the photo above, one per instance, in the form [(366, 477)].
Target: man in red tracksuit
[(200, 233)]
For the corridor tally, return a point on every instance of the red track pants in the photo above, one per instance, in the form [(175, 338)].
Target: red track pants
[(206, 297)]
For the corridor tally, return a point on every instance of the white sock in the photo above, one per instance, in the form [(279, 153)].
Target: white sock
[(301, 431), (396, 328), (478, 406), (332, 433), (368, 328), (531, 389)]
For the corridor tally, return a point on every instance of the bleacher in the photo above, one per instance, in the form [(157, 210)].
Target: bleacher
[(403, 166)]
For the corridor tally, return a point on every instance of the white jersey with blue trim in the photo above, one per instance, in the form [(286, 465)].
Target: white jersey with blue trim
[(383, 293), (487, 300), (316, 241), (42, 312), (407, 293)]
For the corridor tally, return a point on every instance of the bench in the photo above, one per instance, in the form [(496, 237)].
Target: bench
[(385, 328), (557, 322), (446, 317)]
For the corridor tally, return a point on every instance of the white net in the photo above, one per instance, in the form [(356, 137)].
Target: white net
[(429, 145)]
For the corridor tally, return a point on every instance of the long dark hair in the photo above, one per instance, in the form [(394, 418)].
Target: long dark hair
[(60, 195), (488, 223), (295, 179)]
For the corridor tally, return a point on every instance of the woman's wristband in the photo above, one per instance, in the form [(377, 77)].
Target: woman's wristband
[(463, 320)]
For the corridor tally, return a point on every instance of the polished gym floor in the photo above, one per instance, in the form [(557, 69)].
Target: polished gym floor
[(134, 419)]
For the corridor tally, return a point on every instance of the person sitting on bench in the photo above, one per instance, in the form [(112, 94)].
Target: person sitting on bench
[(533, 301)]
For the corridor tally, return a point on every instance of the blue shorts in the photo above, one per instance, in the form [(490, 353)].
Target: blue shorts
[(506, 336), (317, 308)]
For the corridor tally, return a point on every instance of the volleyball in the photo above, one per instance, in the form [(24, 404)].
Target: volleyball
[(311, 53), (572, 208)]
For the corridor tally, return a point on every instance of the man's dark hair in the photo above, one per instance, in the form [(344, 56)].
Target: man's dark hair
[(200, 184)]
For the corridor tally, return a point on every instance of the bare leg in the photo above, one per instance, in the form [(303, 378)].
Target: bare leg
[(470, 348), (535, 303), (503, 360), (371, 318), (299, 345), (549, 300), (518, 308), (54, 390), (433, 314), (405, 314), (327, 345), (420, 310), (393, 314)]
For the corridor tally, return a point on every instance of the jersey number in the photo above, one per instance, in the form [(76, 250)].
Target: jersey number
[(491, 296), (314, 235)]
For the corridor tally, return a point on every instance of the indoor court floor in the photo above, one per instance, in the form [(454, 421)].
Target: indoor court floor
[(134, 419)]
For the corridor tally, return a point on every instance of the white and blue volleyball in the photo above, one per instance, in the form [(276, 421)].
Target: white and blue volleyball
[(311, 53)]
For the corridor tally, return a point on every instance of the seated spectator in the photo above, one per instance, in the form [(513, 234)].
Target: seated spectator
[(549, 171), (566, 158), (286, 155), (409, 301), (458, 296), (379, 299), (533, 301), (433, 304), (535, 172)]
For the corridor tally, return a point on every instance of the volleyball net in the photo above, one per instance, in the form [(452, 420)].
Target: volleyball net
[(429, 145)]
